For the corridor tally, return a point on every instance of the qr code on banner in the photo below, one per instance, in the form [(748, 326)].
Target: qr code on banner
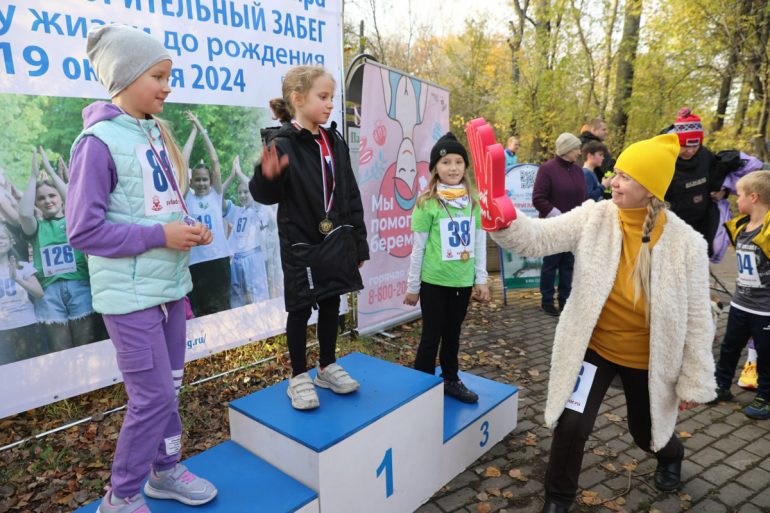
[(528, 178)]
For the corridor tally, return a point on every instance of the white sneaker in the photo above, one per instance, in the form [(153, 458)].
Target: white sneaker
[(302, 392), (335, 378)]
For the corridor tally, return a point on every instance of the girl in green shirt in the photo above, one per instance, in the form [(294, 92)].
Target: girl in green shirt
[(448, 263)]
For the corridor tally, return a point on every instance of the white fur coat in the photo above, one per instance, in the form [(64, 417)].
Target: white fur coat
[(681, 327)]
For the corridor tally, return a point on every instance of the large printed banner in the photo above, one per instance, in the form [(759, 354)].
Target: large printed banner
[(226, 52), (518, 271), (401, 119), (229, 59)]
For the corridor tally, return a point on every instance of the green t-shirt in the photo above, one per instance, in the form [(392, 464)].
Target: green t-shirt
[(451, 238), (54, 258)]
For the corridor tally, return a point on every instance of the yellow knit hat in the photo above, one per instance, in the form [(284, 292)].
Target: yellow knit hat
[(651, 162)]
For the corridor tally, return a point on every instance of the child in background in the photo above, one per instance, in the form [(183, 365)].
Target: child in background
[(448, 263), (210, 264), (249, 221), (511, 147), (128, 215), (749, 315), (306, 169), (65, 310), (593, 155), (19, 334)]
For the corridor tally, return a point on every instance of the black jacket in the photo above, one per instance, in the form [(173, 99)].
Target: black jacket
[(315, 266), (689, 192), (607, 164)]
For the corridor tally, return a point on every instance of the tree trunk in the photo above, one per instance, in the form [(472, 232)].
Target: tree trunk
[(514, 43), (743, 102), (724, 90), (624, 79), (613, 13), (542, 51)]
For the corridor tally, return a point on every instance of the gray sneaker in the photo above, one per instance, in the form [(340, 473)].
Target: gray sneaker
[(179, 484), (302, 392), (335, 378), (133, 504)]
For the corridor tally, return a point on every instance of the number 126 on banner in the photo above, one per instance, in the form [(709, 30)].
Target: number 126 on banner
[(497, 210)]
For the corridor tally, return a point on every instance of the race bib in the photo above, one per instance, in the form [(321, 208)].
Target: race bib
[(748, 275), (58, 259), (577, 401), (457, 238), (159, 194)]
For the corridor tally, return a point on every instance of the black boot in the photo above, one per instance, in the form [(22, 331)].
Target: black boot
[(552, 507), (668, 475)]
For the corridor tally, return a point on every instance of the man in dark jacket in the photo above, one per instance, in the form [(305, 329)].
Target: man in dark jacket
[(559, 187)]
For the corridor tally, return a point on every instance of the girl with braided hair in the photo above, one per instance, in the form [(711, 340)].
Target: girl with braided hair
[(639, 310)]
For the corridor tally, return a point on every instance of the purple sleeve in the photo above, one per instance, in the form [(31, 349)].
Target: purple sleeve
[(541, 192), (92, 178)]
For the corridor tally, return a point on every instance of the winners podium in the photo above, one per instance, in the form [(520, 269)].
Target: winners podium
[(386, 448)]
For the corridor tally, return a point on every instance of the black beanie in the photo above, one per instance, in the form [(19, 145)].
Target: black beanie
[(444, 146)]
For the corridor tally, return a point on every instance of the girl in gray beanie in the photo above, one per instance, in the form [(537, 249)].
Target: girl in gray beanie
[(127, 213)]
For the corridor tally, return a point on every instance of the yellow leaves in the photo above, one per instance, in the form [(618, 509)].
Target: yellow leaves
[(492, 472), (631, 465), (610, 467), (613, 418), (590, 498), (530, 440), (518, 475), (685, 434)]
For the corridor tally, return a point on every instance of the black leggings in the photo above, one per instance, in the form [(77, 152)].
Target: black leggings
[(211, 286), (443, 312), (573, 428), (296, 334)]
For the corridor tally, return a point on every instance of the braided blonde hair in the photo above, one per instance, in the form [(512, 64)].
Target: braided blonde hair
[(640, 275)]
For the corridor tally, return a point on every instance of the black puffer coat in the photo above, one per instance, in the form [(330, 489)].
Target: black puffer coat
[(315, 267)]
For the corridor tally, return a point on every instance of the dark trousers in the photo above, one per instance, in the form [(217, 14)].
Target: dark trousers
[(211, 286), (573, 428), (443, 312), (741, 326), (564, 263), (296, 334)]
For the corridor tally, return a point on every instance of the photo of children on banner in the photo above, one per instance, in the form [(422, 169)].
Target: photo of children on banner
[(657, 339), (448, 263), (306, 170), (252, 225), (128, 214), (65, 310), (210, 264)]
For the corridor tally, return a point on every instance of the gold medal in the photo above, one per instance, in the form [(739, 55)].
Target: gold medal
[(325, 226), (465, 255)]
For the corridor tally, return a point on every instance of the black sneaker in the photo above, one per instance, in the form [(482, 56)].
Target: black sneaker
[(723, 395), (456, 389), (550, 310)]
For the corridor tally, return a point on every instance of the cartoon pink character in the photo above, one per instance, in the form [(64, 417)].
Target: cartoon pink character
[(156, 206)]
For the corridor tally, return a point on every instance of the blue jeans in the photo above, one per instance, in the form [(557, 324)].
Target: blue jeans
[(564, 263), (741, 326)]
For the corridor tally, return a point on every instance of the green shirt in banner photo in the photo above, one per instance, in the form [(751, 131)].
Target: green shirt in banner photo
[(449, 236), (54, 258)]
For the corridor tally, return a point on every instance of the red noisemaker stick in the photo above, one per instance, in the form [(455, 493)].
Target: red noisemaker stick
[(488, 156)]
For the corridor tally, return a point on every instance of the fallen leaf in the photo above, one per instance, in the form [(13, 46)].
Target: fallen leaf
[(517, 474), (492, 472), (508, 494), (612, 417), (590, 498), (610, 467), (483, 507), (631, 465), (685, 497), (494, 492), (482, 496), (685, 434), (600, 451), (533, 372)]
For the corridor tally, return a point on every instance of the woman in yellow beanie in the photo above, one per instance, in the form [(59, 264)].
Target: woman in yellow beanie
[(639, 309)]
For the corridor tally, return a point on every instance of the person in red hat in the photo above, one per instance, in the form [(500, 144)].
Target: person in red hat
[(697, 184)]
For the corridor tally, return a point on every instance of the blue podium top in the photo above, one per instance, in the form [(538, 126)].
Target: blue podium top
[(458, 416), (244, 482), (385, 387)]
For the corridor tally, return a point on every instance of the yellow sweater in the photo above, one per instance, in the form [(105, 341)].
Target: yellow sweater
[(622, 335)]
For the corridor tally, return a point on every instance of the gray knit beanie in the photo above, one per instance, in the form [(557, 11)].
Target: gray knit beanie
[(565, 143), (120, 54)]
